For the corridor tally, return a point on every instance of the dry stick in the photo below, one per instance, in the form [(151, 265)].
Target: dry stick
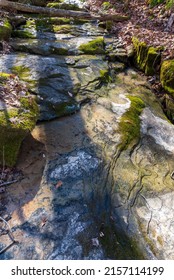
[(8, 183), (10, 234), (59, 12), (170, 22)]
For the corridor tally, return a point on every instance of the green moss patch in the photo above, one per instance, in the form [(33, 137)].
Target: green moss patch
[(22, 71), (5, 30), (62, 28), (167, 76), (130, 122), (95, 46), (146, 58), (105, 77)]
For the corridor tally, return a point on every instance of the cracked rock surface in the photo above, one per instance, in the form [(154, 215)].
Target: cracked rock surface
[(85, 195)]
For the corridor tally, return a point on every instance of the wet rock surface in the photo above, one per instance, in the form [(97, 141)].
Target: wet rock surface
[(85, 195)]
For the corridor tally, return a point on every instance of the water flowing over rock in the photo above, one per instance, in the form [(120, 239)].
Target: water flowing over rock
[(98, 178)]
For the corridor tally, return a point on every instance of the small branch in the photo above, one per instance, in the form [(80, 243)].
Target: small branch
[(10, 234), (7, 247), (170, 22), (8, 183)]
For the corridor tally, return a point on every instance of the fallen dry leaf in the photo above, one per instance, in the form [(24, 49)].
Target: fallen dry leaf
[(59, 184)]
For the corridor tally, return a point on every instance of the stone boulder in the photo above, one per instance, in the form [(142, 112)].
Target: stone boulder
[(167, 76), (146, 58)]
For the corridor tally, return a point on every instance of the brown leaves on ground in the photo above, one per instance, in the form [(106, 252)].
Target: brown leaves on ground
[(148, 24), (59, 184), (12, 90)]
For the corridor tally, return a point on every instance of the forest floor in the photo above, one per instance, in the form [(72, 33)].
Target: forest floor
[(148, 24)]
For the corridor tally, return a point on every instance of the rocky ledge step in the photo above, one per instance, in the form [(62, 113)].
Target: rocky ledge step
[(59, 82), (64, 45)]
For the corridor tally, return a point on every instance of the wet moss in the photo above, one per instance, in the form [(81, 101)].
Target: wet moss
[(118, 245), (167, 76), (152, 61), (129, 125), (95, 46)]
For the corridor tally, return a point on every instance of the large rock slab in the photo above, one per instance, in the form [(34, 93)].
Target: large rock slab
[(93, 183), (57, 80)]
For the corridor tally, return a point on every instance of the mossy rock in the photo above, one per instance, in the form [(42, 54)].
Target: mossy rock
[(104, 76), (95, 46), (48, 22), (146, 58), (167, 76), (129, 125), (23, 34), (66, 108), (168, 105), (5, 30), (15, 124)]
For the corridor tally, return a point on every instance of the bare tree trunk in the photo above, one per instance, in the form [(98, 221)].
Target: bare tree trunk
[(58, 12)]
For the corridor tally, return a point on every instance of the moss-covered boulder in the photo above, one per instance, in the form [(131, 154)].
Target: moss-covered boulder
[(146, 58), (95, 46), (18, 115), (167, 76), (5, 30)]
